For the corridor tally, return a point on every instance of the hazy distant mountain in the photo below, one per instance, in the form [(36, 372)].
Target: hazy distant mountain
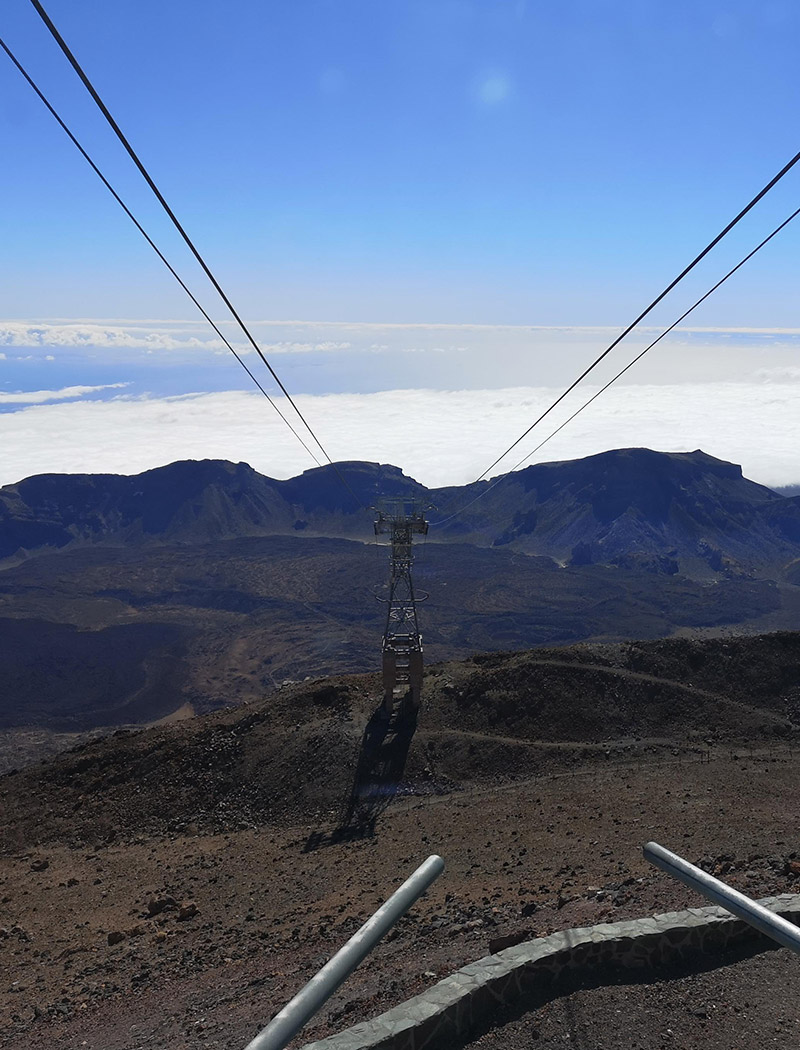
[(665, 512)]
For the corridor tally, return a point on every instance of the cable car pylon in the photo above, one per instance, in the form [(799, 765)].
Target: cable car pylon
[(402, 643)]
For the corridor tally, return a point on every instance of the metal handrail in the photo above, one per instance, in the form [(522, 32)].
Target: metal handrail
[(286, 1024), (767, 922)]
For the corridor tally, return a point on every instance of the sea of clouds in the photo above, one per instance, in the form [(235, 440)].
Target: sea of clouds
[(441, 401), (438, 437)]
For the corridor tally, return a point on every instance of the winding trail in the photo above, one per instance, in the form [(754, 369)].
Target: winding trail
[(623, 672)]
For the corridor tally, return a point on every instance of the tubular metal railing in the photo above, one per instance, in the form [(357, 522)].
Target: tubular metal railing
[(286, 1024), (767, 922)]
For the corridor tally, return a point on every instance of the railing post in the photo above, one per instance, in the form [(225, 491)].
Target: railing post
[(764, 920), (286, 1024)]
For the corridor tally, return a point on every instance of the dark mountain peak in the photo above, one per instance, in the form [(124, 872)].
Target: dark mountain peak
[(189, 499), (637, 477), (183, 471), (191, 477), (696, 508), (321, 487), (203, 470), (637, 462), (40, 487), (711, 463), (355, 469)]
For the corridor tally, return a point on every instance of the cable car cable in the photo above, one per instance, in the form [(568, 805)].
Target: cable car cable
[(147, 237), (786, 168), (87, 83), (630, 364), (187, 239)]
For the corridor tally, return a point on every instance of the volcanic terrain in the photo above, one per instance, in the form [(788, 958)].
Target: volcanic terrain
[(172, 887), (197, 586)]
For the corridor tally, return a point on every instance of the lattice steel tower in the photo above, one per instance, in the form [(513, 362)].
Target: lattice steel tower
[(402, 642)]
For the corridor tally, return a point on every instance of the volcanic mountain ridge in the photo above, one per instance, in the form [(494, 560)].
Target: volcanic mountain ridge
[(664, 511)]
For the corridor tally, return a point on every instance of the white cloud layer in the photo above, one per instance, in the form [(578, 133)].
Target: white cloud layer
[(85, 335), (40, 397), (439, 437), (788, 374), (326, 346)]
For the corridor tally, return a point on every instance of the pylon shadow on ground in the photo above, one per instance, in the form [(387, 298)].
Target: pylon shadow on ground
[(378, 776)]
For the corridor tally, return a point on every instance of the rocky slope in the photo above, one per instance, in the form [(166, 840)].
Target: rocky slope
[(175, 886), (125, 600), (103, 636), (291, 757)]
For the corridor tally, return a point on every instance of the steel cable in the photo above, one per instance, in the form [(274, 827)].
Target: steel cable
[(190, 244), (146, 236), (786, 168), (622, 371)]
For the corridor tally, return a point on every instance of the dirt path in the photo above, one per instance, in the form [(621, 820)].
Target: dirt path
[(669, 683)]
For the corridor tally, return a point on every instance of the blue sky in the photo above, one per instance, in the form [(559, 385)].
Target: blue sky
[(496, 163)]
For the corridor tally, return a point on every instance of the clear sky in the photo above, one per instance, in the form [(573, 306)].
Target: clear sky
[(357, 167)]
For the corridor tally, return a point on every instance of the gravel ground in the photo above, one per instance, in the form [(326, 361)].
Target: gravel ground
[(530, 857), (747, 1003), (173, 888)]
